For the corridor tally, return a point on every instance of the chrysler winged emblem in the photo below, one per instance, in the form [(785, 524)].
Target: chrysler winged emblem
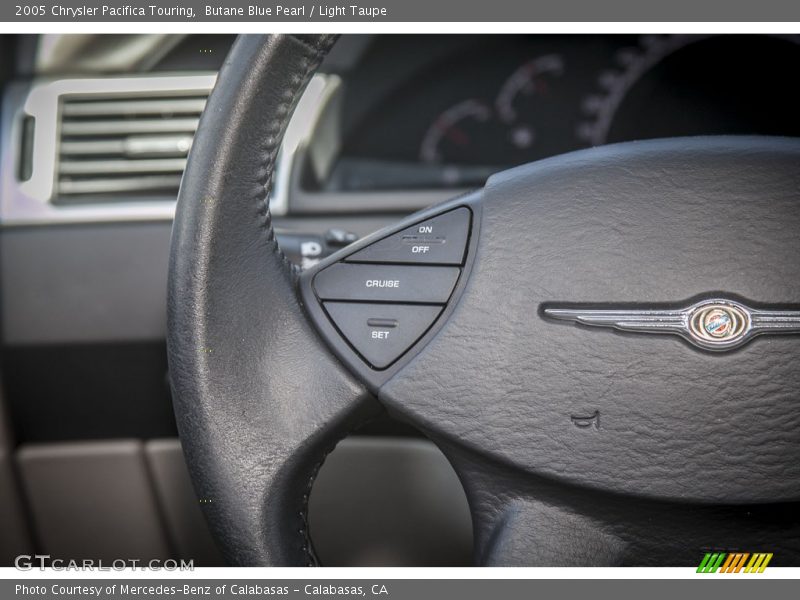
[(717, 324)]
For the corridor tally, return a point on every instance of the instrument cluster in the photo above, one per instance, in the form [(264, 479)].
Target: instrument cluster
[(507, 100)]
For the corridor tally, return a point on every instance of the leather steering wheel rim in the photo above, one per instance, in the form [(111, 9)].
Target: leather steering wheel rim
[(230, 376), (260, 398)]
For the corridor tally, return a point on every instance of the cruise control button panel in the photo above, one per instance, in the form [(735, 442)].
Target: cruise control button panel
[(380, 333), (386, 283), (438, 240), (378, 300)]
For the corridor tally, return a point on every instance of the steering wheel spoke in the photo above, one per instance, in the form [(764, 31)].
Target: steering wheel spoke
[(525, 520)]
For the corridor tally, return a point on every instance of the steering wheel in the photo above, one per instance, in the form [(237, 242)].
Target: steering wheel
[(511, 326)]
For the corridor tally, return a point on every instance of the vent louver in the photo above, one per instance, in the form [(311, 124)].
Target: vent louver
[(125, 147)]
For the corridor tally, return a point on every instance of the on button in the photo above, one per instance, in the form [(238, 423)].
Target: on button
[(381, 333), (439, 240)]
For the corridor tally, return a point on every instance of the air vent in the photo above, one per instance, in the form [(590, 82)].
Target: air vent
[(124, 147)]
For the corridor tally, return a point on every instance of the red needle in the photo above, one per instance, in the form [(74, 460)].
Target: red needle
[(457, 136)]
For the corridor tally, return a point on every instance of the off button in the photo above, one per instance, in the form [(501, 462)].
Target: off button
[(439, 240)]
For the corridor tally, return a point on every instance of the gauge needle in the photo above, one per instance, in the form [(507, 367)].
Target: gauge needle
[(457, 136)]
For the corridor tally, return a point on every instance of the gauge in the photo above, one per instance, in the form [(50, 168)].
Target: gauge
[(631, 64), (453, 134), (526, 83), (683, 85), (530, 79), (504, 130)]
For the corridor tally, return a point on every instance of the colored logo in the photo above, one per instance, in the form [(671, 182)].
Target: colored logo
[(734, 562), (717, 322)]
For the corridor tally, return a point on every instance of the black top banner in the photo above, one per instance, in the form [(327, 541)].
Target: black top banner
[(298, 11)]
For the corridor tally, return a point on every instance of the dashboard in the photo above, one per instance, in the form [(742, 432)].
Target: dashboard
[(390, 125), (447, 111)]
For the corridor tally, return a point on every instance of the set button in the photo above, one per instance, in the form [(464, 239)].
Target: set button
[(380, 333)]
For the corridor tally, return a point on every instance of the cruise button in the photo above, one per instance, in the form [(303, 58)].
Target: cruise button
[(381, 333), (441, 240), (386, 283)]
